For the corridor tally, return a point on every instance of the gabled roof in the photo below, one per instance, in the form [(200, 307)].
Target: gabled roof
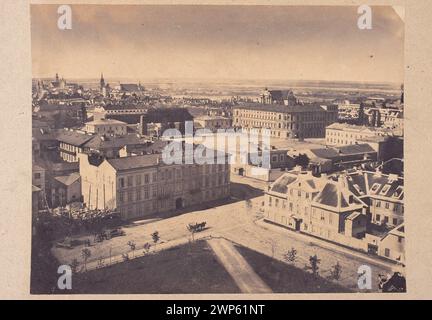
[(68, 179), (304, 180), (281, 184), (338, 197)]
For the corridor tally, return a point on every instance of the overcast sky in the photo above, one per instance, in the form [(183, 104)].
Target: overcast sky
[(218, 42)]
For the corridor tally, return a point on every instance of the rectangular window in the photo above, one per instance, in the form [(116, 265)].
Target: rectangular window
[(395, 221), (378, 218), (129, 181), (138, 180), (387, 252), (146, 178), (122, 183)]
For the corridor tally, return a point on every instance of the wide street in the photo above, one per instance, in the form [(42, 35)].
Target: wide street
[(240, 224)]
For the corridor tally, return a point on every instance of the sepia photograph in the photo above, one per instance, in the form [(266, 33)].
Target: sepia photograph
[(217, 149)]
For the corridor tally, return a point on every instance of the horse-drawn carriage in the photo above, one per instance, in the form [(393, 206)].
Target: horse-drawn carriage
[(197, 227)]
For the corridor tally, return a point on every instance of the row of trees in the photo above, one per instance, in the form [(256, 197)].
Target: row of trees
[(86, 253), (314, 264)]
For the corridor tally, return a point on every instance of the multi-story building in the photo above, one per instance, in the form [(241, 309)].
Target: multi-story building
[(138, 186), (65, 189), (324, 160), (285, 121), (71, 143), (213, 123), (359, 209), (322, 207), (106, 111), (339, 134), (383, 193), (106, 126)]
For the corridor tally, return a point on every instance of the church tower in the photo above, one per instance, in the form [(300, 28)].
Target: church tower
[(102, 81), (103, 86)]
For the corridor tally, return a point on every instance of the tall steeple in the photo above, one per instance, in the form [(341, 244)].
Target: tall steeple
[(102, 81)]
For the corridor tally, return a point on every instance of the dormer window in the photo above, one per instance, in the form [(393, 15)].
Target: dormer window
[(385, 189), (375, 187), (398, 192)]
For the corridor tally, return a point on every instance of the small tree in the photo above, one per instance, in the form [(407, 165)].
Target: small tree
[(155, 236), (86, 254), (336, 271), (314, 264), (101, 262), (291, 255), (74, 266), (132, 246), (146, 247)]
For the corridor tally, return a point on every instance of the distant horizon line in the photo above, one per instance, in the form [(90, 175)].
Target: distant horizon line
[(215, 80)]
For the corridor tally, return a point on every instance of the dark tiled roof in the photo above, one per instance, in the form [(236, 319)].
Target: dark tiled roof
[(281, 94), (134, 162), (331, 153), (355, 149), (328, 196), (103, 142), (325, 153), (130, 87), (167, 115), (377, 182), (280, 185), (335, 195), (73, 138)]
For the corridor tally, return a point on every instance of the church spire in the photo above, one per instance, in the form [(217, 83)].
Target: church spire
[(102, 81)]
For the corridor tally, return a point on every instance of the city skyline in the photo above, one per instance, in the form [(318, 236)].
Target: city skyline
[(218, 42)]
